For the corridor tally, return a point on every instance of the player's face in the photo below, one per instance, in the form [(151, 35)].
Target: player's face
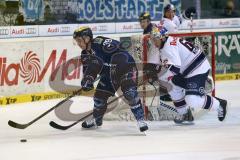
[(144, 23), (170, 14), (82, 42)]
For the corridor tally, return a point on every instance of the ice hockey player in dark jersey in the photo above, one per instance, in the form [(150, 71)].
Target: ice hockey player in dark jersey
[(145, 22), (104, 57)]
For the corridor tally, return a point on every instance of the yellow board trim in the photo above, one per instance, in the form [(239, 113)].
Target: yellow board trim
[(229, 76), (4, 101), (37, 97)]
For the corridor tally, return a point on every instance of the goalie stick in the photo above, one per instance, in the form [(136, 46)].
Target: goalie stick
[(23, 126)]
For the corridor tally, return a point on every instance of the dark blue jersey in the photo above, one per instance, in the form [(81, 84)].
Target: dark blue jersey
[(108, 59), (148, 29), (104, 48)]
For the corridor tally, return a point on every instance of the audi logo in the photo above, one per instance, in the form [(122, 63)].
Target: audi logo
[(102, 28), (31, 31), (4, 31), (65, 29)]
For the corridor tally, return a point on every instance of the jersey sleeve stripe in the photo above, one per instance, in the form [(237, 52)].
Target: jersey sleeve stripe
[(194, 64)]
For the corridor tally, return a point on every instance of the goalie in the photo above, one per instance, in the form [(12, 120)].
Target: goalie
[(185, 67), (116, 67)]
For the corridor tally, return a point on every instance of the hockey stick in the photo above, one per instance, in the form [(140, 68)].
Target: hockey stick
[(57, 126), (154, 93), (23, 126)]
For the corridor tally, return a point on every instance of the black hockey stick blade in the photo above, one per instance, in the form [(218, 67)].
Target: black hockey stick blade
[(17, 125), (57, 126), (23, 126), (60, 127)]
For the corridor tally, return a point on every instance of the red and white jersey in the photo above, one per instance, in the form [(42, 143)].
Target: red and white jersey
[(169, 25), (184, 57)]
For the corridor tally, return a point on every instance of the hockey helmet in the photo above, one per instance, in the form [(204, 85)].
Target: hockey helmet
[(159, 33), (168, 7), (144, 15), (83, 31)]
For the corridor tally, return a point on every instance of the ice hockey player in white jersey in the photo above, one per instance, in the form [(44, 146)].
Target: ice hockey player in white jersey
[(167, 21), (185, 66)]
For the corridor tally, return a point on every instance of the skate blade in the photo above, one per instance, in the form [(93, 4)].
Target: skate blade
[(144, 133), (92, 128)]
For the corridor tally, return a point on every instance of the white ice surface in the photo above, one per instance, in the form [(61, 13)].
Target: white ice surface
[(208, 139)]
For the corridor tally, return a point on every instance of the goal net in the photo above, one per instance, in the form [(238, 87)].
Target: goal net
[(140, 47)]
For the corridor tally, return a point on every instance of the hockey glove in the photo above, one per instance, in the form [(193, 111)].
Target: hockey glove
[(151, 70), (87, 83), (189, 12), (151, 76)]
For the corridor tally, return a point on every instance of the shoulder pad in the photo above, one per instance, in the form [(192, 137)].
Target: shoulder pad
[(98, 40)]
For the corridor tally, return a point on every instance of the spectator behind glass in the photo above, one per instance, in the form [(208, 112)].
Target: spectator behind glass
[(20, 19), (70, 17), (229, 11), (49, 16)]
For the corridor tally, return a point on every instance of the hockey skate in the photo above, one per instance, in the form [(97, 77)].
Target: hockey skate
[(222, 110), (142, 125), (91, 123), (186, 118)]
